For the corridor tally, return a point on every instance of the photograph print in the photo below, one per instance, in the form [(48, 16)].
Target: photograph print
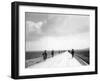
[(51, 40), (54, 40)]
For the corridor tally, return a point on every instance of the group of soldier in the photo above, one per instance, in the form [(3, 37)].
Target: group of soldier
[(45, 54), (72, 52), (52, 53)]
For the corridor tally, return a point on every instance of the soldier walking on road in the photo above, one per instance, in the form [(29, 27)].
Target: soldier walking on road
[(52, 53), (72, 53), (44, 55)]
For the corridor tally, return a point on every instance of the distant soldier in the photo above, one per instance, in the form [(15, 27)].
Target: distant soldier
[(59, 51), (72, 52), (68, 50), (52, 53), (44, 55)]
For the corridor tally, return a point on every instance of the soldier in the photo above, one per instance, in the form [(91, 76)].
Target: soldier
[(44, 55), (52, 53), (72, 53)]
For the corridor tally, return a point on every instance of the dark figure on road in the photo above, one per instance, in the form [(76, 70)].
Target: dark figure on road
[(72, 52), (59, 51), (44, 55), (52, 53), (69, 51)]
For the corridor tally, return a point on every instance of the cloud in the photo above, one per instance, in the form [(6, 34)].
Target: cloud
[(55, 31), (60, 43), (33, 27), (33, 30), (60, 25), (41, 25)]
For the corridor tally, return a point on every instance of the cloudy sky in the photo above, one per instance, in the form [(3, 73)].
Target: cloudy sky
[(56, 31)]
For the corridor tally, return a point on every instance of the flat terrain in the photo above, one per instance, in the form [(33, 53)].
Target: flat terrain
[(35, 57), (37, 54), (59, 61), (83, 54)]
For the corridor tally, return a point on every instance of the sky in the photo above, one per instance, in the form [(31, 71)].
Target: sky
[(45, 31)]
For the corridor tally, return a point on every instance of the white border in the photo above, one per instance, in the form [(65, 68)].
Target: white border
[(23, 71)]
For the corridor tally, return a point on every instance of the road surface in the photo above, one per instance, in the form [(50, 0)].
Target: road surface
[(59, 61)]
